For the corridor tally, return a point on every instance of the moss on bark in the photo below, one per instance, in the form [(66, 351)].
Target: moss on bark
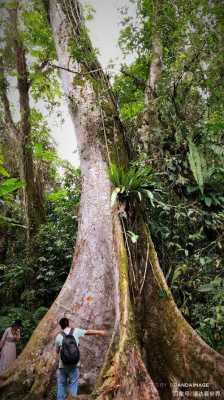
[(175, 353), (124, 375)]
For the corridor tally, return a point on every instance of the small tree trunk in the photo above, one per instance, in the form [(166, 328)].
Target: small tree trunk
[(33, 198), (148, 132), (19, 136), (10, 139)]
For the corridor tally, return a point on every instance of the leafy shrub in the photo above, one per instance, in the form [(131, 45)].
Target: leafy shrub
[(189, 240)]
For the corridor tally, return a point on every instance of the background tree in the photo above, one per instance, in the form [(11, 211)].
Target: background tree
[(19, 135), (33, 198)]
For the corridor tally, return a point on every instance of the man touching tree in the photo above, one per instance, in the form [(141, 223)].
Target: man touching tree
[(66, 343)]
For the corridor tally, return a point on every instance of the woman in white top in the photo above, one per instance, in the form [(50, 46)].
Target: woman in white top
[(8, 345)]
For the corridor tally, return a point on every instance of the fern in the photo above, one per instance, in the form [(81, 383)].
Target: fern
[(9, 185)]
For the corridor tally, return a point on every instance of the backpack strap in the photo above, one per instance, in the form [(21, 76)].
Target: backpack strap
[(70, 333)]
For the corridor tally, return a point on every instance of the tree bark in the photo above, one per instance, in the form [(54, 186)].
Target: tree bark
[(96, 292), (150, 122), (10, 138), (124, 375)]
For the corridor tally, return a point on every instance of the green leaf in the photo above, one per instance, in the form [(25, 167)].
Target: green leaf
[(181, 270), (57, 195), (4, 172), (150, 196), (139, 196), (133, 236), (114, 196), (208, 201), (206, 288), (41, 154), (10, 221), (198, 165), (163, 294), (10, 185)]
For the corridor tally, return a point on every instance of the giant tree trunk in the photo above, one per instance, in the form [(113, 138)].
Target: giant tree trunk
[(96, 292), (90, 295)]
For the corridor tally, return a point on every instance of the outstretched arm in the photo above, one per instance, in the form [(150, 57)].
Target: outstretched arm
[(93, 332)]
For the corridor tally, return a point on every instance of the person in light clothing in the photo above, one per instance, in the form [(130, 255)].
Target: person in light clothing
[(8, 345), (67, 375)]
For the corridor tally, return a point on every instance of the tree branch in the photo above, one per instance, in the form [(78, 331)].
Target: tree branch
[(72, 71)]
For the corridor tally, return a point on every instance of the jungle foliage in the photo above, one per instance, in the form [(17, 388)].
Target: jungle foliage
[(187, 214)]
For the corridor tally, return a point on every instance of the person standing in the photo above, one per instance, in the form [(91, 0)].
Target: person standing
[(8, 345), (68, 375)]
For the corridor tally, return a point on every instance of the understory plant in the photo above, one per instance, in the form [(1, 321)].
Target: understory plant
[(209, 179)]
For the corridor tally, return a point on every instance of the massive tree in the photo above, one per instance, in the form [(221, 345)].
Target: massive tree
[(151, 348)]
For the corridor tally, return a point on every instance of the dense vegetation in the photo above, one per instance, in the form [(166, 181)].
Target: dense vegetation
[(181, 180), (30, 283), (186, 212)]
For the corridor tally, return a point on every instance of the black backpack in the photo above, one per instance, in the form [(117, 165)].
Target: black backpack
[(69, 350)]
